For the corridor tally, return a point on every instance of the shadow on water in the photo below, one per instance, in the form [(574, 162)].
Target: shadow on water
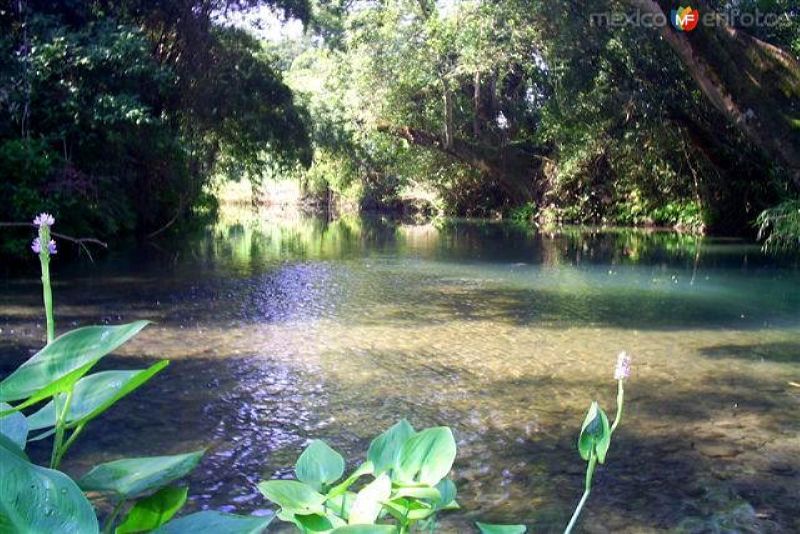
[(280, 333), (785, 352)]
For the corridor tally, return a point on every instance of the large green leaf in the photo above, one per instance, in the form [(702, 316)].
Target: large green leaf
[(293, 496), (210, 522), (427, 457), (595, 434), (14, 426), (94, 394), (486, 528), (366, 529), (153, 511), (384, 451), (314, 523), (132, 477), (369, 501), (39, 500), (319, 465), (77, 349)]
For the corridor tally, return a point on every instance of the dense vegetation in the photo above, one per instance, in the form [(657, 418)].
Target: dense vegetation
[(120, 112), (529, 109)]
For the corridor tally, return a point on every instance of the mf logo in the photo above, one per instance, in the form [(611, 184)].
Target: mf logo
[(685, 19)]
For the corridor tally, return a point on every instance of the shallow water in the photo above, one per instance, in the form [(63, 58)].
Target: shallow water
[(289, 328)]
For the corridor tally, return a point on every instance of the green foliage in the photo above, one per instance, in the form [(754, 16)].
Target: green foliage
[(133, 477), (501, 529), (319, 465), (38, 499), (595, 436), (153, 511), (408, 471), (209, 522), (118, 113), (779, 227)]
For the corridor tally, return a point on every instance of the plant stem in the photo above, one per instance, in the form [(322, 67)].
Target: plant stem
[(68, 444), (61, 418), (109, 526), (587, 489), (47, 292), (620, 402)]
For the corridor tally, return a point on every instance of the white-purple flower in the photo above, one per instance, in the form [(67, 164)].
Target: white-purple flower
[(36, 246), (623, 369), (44, 219)]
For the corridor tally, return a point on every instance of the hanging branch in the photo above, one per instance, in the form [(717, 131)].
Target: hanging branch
[(80, 241)]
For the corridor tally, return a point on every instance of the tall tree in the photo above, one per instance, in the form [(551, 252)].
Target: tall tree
[(755, 84)]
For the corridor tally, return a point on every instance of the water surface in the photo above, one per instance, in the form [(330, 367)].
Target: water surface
[(290, 328)]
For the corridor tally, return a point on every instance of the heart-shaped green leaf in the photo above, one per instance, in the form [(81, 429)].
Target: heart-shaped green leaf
[(94, 394), (369, 501), (384, 451), (486, 528), (319, 465), (314, 523), (35, 499), (14, 426), (153, 511), (365, 529), (293, 496), (132, 477), (595, 434), (427, 457), (210, 522), (77, 350)]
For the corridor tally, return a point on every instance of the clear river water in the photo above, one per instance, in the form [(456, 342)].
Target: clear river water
[(286, 328)]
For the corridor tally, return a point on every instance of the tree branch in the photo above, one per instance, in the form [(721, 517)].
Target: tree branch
[(80, 241)]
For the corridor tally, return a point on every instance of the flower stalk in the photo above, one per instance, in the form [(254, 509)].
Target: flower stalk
[(45, 247), (595, 437)]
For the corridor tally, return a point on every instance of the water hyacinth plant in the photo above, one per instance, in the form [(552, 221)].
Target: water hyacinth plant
[(53, 395), (408, 483)]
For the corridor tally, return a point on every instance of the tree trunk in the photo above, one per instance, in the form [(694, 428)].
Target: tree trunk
[(754, 84), (476, 106), (448, 114), (514, 169)]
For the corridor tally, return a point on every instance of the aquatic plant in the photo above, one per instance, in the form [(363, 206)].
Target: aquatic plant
[(409, 483), (56, 380)]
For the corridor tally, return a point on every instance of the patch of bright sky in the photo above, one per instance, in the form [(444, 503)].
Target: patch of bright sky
[(269, 24), (265, 23)]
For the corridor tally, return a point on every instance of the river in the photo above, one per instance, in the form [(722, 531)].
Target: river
[(286, 328)]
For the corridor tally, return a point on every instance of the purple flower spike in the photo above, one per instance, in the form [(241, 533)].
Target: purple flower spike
[(623, 369), (51, 247), (44, 219), (36, 246)]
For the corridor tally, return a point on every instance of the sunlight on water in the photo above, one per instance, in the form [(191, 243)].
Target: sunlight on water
[(288, 328)]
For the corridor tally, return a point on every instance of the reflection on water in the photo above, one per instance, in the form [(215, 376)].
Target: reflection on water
[(293, 328)]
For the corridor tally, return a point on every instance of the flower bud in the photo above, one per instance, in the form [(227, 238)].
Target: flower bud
[(623, 369)]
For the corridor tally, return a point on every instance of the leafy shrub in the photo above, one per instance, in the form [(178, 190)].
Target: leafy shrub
[(56, 380)]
